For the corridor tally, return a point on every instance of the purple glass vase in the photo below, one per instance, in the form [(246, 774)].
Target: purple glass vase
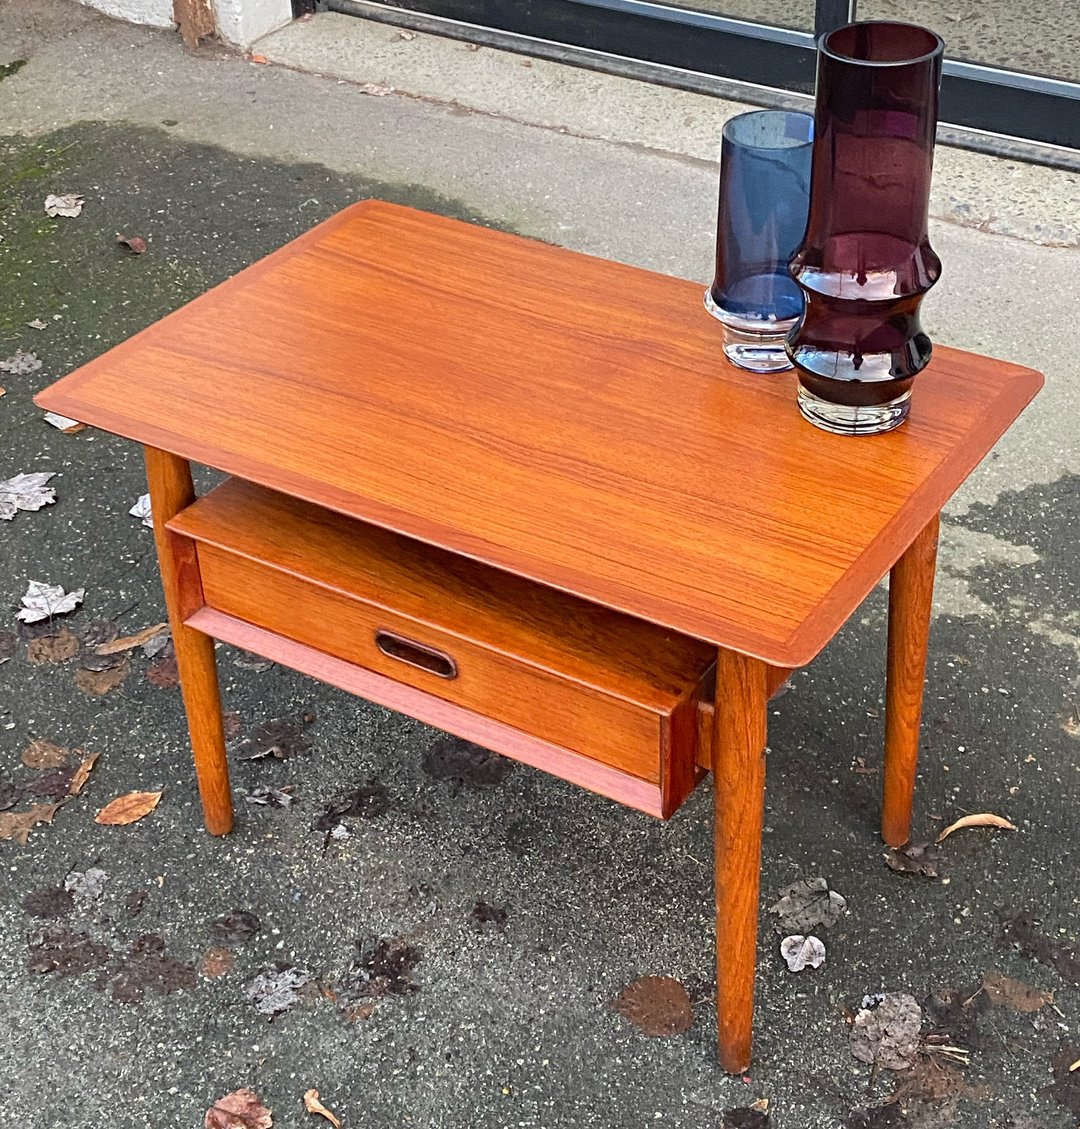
[(866, 261)]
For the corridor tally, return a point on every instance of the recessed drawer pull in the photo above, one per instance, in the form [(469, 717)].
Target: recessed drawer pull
[(415, 654)]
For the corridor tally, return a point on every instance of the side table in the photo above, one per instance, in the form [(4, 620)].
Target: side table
[(520, 494)]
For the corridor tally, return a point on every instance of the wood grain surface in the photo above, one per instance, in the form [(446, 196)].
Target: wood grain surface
[(561, 417)]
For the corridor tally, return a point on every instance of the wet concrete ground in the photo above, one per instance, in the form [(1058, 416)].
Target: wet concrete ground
[(509, 1022)]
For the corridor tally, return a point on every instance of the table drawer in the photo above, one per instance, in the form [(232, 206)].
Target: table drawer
[(518, 664)]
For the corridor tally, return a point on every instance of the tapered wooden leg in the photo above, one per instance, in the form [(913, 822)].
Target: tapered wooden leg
[(170, 491), (911, 588), (738, 766)]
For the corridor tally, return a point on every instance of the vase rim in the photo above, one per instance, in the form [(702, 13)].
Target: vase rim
[(732, 130), (937, 49)]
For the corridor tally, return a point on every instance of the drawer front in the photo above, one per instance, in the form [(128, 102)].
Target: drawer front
[(579, 718)]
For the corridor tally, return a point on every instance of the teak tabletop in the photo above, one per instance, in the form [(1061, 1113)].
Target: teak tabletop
[(564, 418), (568, 420)]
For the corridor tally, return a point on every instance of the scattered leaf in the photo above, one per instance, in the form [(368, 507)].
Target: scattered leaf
[(657, 1005), (163, 672), (49, 902), (55, 949), (239, 1110), (1015, 994), (134, 243), (368, 801), (43, 754), (384, 967), (956, 1012), (8, 642), (130, 642), (99, 631), (98, 683), (141, 510), (982, 819), (281, 738), (160, 646), (1029, 939), (274, 990), (128, 808), (375, 89), (56, 648), (216, 963), (914, 858), (56, 783), (43, 601), (807, 904), (20, 363), (484, 913), (745, 1117), (70, 204), (86, 885), (464, 764), (888, 1033), (266, 796), (259, 59), (236, 926), (16, 825), (404, 33), (147, 968), (801, 952), (9, 795), (25, 492), (232, 722), (37, 323), (65, 424), (929, 1080), (313, 1105), (82, 774)]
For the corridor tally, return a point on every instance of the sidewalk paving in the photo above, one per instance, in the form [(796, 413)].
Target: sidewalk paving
[(520, 906)]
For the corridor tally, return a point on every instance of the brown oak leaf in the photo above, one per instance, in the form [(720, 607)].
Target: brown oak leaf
[(16, 825), (97, 683), (657, 1005), (44, 754), (56, 648), (239, 1110)]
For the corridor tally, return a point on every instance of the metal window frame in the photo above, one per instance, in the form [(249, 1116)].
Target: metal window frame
[(1007, 113)]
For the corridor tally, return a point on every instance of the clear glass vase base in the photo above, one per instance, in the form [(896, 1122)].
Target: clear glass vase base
[(853, 419), (753, 344)]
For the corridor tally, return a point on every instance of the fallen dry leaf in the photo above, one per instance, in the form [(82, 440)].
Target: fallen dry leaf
[(141, 510), (236, 926), (239, 1110), (134, 243), (70, 204), (806, 904), (216, 962), (9, 641), (657, 1005), (982, 819), (97, 683), (1025, 933), (128, 808), (16, 825), (44, 754), (56, 648), (25, 492), (259, 59), (802, 952), (49, 903), (887, 1034), (37, 323), (43, 601), (20, 363), (130, 642), (405, 34), (1015, 994), (313, 1105), (3, 391), (163, 672), (914, 858), (375, 89), (86, 885), (82, 774), (281, 738), (65, 424), (275, 990)]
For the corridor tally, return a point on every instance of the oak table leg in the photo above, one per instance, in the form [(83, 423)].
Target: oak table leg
[(171, 490), (911, 588), (738, 767)]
